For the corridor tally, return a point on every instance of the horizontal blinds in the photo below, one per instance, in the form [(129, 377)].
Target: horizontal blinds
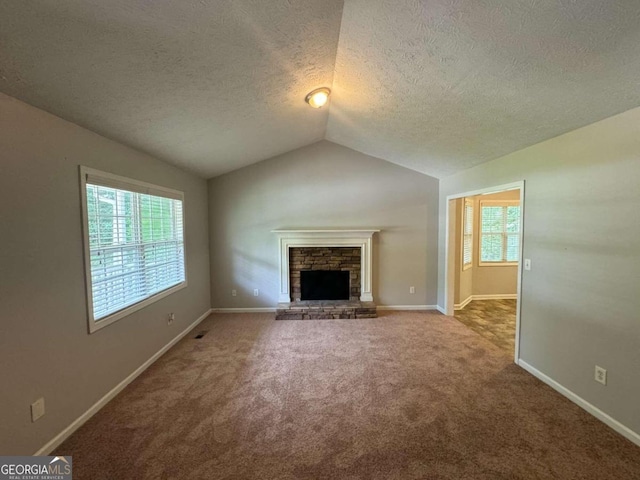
[(500, 233), (467, 248), (136, 244), (120, 183)]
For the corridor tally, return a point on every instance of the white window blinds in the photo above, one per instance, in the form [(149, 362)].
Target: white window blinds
[(467, 239), (500, 233), (135, 240)]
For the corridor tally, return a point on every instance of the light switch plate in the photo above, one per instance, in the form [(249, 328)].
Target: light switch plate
[(527, 264), (37, 409)]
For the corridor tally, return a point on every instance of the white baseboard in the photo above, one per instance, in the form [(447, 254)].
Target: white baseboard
[(78, 422), (441, 310), (461, 305), (497, 296), (581, 402), (244, 310), (407, 307)]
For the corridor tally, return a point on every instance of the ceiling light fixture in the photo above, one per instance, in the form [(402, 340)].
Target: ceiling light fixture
[(318, 97)]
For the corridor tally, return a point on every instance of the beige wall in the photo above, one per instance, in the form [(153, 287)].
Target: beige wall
[(463, 277), (580, 300), (322, 186), (45, 349)]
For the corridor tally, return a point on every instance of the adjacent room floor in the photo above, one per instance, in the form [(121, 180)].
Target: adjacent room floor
[(408, 395), (494, 320)]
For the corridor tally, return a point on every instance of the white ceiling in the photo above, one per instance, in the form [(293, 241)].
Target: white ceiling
[(214, 85)]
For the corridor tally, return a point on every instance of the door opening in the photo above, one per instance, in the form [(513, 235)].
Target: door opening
[(484, 262)]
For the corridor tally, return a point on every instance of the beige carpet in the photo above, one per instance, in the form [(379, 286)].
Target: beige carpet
[(404, 396)]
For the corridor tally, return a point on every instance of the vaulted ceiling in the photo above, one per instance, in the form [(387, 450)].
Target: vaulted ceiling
[(215, 85)]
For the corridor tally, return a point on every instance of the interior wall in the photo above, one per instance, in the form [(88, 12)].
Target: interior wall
[(457, 208), (463, 277), (45, 348), (322, 186), (579, 301)]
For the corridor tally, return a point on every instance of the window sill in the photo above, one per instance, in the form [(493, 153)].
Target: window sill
[(94, 326), (498, 264)]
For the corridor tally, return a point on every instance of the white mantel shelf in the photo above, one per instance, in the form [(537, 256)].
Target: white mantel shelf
[(360, 238), (369, 232)]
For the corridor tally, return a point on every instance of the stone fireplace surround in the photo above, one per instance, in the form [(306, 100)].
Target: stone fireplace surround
[(324, 258), (347, 243)]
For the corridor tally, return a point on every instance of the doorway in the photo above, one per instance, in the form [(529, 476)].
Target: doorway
[(484, 262)]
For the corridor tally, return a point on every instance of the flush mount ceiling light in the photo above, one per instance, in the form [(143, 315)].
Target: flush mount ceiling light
[(318, 97)]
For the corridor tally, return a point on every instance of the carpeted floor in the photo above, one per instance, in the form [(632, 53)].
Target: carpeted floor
[(494, 320), (409, 395)]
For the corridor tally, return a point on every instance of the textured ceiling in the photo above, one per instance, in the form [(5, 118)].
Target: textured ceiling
[(210, 85), (213, 85), (439, 86)]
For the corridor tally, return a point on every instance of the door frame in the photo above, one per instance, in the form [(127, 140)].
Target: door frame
[(449, 287)]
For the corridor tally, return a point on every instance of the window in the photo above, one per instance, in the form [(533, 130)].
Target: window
[(467, 234), (499, 232), (134, 244)]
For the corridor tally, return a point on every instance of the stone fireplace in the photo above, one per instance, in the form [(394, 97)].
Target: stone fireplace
[(327, 251), (324, 258)]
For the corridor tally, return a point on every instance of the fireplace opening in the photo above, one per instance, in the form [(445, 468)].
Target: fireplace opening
[(324, 285)]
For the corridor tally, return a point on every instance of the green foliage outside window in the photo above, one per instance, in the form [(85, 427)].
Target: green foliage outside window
[(500, 232)]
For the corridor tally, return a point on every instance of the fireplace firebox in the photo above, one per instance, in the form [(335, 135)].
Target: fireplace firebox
[(324, 285)]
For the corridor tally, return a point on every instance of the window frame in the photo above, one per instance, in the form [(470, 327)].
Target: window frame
[(498, 203), (139, 187), (467, 202)]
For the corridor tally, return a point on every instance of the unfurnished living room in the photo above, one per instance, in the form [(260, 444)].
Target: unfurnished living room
[(329, 239)]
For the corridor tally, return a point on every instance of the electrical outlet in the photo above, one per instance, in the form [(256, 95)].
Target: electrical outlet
[(256, 292), (37, 409), (412, 289), (601, 375), (171, 318), (234, 293)]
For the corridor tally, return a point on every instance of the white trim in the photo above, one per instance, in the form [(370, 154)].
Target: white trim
[(407, 307), (497, 296), (78, 422), (134, 185), (118, 181), (362, 239), (441, 310), (489, 190), (501, 203), (449, 305), (582, 403), (461, 305), (244, 310), (497, 264), (94, 325)]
